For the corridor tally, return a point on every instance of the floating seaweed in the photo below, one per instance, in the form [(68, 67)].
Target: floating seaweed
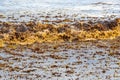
[(24, 33)]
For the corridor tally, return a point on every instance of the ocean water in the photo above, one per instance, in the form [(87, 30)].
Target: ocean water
[(89, 8)]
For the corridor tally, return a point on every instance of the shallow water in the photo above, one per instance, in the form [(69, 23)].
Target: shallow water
[(73, 8), (84, 60)]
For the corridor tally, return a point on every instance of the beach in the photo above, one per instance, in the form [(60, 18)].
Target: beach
[(59, 40)]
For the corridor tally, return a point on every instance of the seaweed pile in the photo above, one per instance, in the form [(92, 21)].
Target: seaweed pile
[(24, 33)]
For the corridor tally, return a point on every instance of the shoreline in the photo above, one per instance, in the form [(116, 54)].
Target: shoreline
[(24, 33), (82, 49), (60, 39)]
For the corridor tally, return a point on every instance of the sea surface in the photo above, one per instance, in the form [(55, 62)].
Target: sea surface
[(84, 8)]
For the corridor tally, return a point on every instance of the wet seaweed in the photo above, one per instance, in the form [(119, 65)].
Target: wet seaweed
[(24, 33)]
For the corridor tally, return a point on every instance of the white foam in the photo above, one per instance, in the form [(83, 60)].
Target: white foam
[(83, 7)]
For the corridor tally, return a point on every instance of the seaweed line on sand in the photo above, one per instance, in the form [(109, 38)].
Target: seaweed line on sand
[(24, 33)]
